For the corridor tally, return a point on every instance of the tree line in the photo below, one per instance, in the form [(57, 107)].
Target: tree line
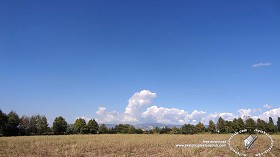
[(13, 125)]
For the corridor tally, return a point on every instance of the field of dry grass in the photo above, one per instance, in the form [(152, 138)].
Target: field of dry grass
[(125, 145)]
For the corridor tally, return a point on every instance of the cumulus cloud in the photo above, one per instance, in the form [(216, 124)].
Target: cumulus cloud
[(261, 65), (107, 117), (136, 104), (164, 115), (245, 112), (273, 113), (141, 110)]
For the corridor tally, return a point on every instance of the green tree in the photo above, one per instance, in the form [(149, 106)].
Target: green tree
[(41, 124), (221, 125), (211, 127), (12, 124), (270, 125), (131, 129), (139, 131), (125, 128), (199, 128), (103, 129), (93, 126), (3, 123), (188, 129), (229, 126), (261, 124), (24, 125), (250, 125), (59, 125), (278, 124), (70, 129), (33, 125), (80, 125), (241, 124)]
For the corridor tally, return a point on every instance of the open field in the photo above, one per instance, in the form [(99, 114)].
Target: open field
[(127, 145)]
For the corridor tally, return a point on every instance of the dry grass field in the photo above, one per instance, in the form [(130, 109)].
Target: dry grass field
[(127, 145)]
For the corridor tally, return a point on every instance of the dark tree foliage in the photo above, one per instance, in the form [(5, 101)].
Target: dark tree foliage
[(250, 125), (211, 127), (270, 126), (12, 124), (93, 126), (125, 128), (24, 125), (81, 126), (70, 129), (199, 128), (278, 124), (41, 124), (261, 124), (188, 129), (229, 127), (221, 125), (3, 123), (59, 125), (103, 129)]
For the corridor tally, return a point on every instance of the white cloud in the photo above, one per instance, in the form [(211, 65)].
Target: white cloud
[(267, 106), (273, 113), (136, 105), (261, 65), (164, 115), (141, 110), (245, 112), (101, 110), (107, 117)]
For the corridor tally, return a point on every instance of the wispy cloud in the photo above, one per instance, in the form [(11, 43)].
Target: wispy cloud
[(267, 106), (261, 65)]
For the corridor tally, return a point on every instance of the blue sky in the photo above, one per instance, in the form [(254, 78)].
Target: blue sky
[(71, 57)]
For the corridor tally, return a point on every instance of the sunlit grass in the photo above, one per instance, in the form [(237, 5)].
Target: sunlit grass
[(117, 145)]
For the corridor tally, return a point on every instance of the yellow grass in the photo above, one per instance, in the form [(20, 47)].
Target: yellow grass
[(125, 145)]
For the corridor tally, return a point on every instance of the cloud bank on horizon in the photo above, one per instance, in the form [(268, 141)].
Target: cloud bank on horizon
[(141, 110)]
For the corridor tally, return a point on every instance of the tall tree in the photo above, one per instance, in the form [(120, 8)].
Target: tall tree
[(42, 124), (221, 125), (93, 126), (211, 127), (12, 124), (270, 125), (59, 125), (3, 123), (33, 125), (103, 129), (199, 128), (278, 124), (229, 126), (261, 124), (250, 125), (24, 125), (241, 124), (80, 125)]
